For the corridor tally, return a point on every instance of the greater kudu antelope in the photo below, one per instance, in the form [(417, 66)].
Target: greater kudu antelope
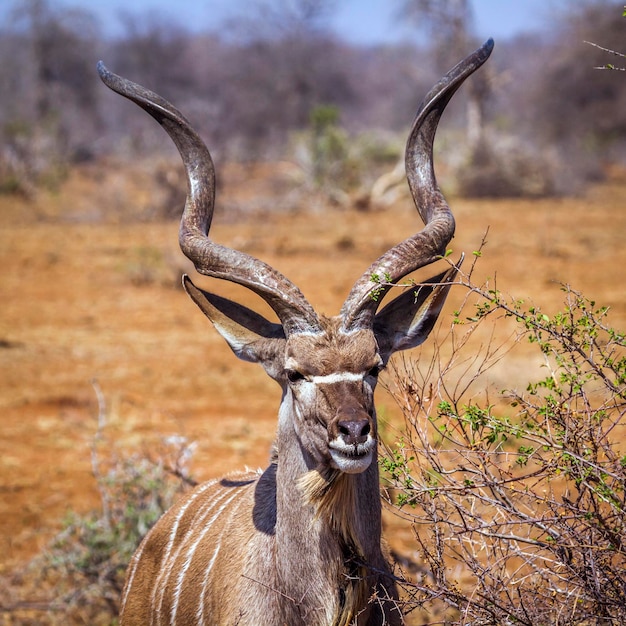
[(299, 543)]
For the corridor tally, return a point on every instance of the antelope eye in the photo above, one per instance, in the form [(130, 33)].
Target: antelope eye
[(293, 376), (375, 371)]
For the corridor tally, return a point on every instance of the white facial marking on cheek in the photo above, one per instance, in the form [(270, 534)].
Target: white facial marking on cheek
[(291, 364), (337, 377), (306, 392)]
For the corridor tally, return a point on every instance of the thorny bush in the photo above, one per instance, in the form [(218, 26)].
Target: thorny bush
[(516, 502)]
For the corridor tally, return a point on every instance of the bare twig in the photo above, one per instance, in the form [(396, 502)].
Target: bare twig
[(95, 462), (529, 506), (608, 66)]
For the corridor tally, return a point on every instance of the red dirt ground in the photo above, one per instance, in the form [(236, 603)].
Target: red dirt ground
[(84, 301)]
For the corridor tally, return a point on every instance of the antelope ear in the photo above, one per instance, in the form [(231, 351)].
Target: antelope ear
[(246, 332), (408, 319)]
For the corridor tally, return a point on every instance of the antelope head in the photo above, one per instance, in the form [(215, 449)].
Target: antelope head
[(327, 367)]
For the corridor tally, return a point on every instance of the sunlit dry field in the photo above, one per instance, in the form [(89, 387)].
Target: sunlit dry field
[(85, 300)]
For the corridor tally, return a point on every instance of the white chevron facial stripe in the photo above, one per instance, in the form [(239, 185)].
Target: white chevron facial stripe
[(336, 377)]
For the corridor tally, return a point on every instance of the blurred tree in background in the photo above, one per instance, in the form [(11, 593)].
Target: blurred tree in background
[(581, 108), (450, 27), (541, 116), (49, 113)]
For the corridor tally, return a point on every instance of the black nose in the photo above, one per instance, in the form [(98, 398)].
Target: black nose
[(354, 431)]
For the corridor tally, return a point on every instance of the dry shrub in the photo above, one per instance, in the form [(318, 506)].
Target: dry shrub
[(516, 502), (506, 167), (78, 578)]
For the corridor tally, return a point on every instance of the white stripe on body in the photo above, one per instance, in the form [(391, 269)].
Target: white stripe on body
[(190, 554), (162, 581), (205, 584), (205, 580), (132, 570), (155, 615), (137, 556)]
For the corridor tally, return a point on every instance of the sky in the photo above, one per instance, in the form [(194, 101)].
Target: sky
[(358, 21), (366, 20)]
